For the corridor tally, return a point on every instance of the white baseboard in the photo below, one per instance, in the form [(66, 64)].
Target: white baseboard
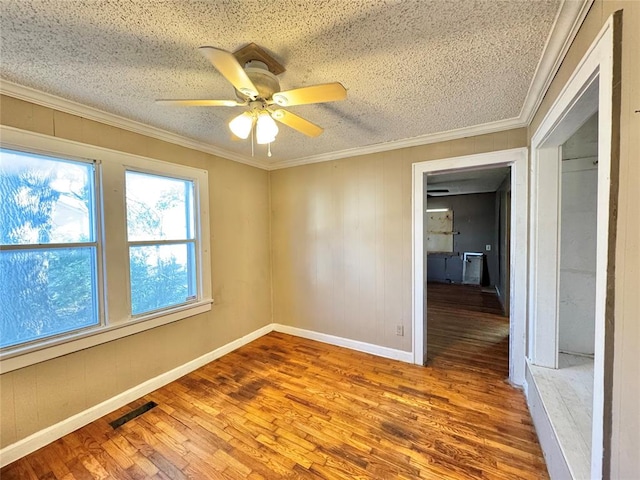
[(553, 455), (346, 342), (47, 435), (43, 437)]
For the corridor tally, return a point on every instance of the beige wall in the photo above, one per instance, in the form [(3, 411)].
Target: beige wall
[(625, 461), (341, 239), (41, 395)]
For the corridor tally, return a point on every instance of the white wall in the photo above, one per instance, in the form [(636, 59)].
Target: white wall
[(578, 240)]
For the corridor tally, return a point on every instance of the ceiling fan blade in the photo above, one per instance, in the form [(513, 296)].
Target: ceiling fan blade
[(201, 103), (326, 92), (230, 69), (297, 123)]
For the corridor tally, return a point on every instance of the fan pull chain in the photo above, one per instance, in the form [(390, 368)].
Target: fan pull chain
[(269, 150), (252, 141)]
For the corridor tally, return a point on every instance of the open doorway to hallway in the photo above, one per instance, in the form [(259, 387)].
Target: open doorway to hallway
[(516, 160), (466, 252)]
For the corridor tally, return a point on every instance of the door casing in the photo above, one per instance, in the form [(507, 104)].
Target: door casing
[(516, 159)]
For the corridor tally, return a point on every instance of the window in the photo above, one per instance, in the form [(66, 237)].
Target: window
[(48, 248), (161, 241), (95, 245)]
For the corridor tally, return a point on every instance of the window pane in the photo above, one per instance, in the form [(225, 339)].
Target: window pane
[(161, 276), (159, 208), (44, 200), (46, 292)]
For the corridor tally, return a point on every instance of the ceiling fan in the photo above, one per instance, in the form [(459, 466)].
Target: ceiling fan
[(258, 88), (439, 191)]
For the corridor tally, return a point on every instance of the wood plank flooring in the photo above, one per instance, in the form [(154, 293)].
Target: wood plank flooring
[(286, 407), (466, 329)]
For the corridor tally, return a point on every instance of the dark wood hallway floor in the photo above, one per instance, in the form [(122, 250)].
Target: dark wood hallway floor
[(466, 329), (286, 407)]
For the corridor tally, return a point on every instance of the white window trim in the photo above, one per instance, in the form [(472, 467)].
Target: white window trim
[(120, 323)]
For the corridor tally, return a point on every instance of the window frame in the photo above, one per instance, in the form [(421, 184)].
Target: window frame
[(116, 320)]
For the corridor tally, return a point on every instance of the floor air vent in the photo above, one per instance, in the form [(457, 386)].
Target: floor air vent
[(118, 422)]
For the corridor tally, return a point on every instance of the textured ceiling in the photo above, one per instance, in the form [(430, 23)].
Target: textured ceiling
[(411, 67)]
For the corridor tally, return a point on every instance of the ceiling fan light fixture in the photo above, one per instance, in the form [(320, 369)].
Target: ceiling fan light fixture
[(266, 128), (280, 99), (241, 125), (248, 92)]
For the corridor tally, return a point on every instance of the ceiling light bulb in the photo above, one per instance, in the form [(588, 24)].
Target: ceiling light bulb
[(266, 128), (241, 125)]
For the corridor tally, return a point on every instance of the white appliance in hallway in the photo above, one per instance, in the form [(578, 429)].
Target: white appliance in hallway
[(472, 268)]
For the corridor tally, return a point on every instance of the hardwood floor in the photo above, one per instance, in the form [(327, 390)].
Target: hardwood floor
[(283, 406), (466, 329)]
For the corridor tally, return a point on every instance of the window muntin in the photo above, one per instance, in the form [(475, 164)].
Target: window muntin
[(162, 243), (48, 253)]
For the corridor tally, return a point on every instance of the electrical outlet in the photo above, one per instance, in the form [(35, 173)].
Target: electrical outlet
[(487, 248), (400, 330)]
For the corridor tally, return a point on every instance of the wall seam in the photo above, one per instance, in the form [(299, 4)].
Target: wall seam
[(270, 229)]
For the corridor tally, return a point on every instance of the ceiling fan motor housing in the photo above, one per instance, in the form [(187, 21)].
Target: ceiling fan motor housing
[(265, 82)]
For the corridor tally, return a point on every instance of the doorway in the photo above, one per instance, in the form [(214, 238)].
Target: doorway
[(564, 339), (467, 268), (516, 159), (553, 325)]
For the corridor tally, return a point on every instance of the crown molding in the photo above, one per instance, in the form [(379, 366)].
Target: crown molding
[(74, 108), (456, 134), (566, 25), (568, 21)]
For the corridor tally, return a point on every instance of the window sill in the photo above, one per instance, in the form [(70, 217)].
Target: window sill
[(59, 346)]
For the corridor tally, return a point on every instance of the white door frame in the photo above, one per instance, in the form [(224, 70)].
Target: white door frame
[(517, 159), (589, 89)]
